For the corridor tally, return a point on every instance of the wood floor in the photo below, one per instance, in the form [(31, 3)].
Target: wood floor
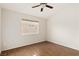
[(42, 49)]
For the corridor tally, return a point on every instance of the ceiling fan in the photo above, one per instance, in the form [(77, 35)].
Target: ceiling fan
[(42, 6)]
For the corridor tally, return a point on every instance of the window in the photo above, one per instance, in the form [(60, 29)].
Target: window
[(29, 27)]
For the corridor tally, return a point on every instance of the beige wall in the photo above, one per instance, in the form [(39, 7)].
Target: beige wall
[(11, 25), (0, 30), (63, 26)]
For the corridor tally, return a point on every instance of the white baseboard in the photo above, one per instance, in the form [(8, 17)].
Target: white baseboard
[(63, 45)]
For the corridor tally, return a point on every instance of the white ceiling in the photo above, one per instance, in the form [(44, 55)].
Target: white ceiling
[(27, 8)]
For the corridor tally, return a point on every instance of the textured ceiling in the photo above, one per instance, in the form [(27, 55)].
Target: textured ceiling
[(27, 8)]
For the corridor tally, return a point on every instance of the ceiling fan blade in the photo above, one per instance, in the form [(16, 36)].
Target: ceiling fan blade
[(49, 6), (42, 9), (36, 6)]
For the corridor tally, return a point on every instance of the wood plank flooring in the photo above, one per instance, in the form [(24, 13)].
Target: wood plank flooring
[(42, 49)]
